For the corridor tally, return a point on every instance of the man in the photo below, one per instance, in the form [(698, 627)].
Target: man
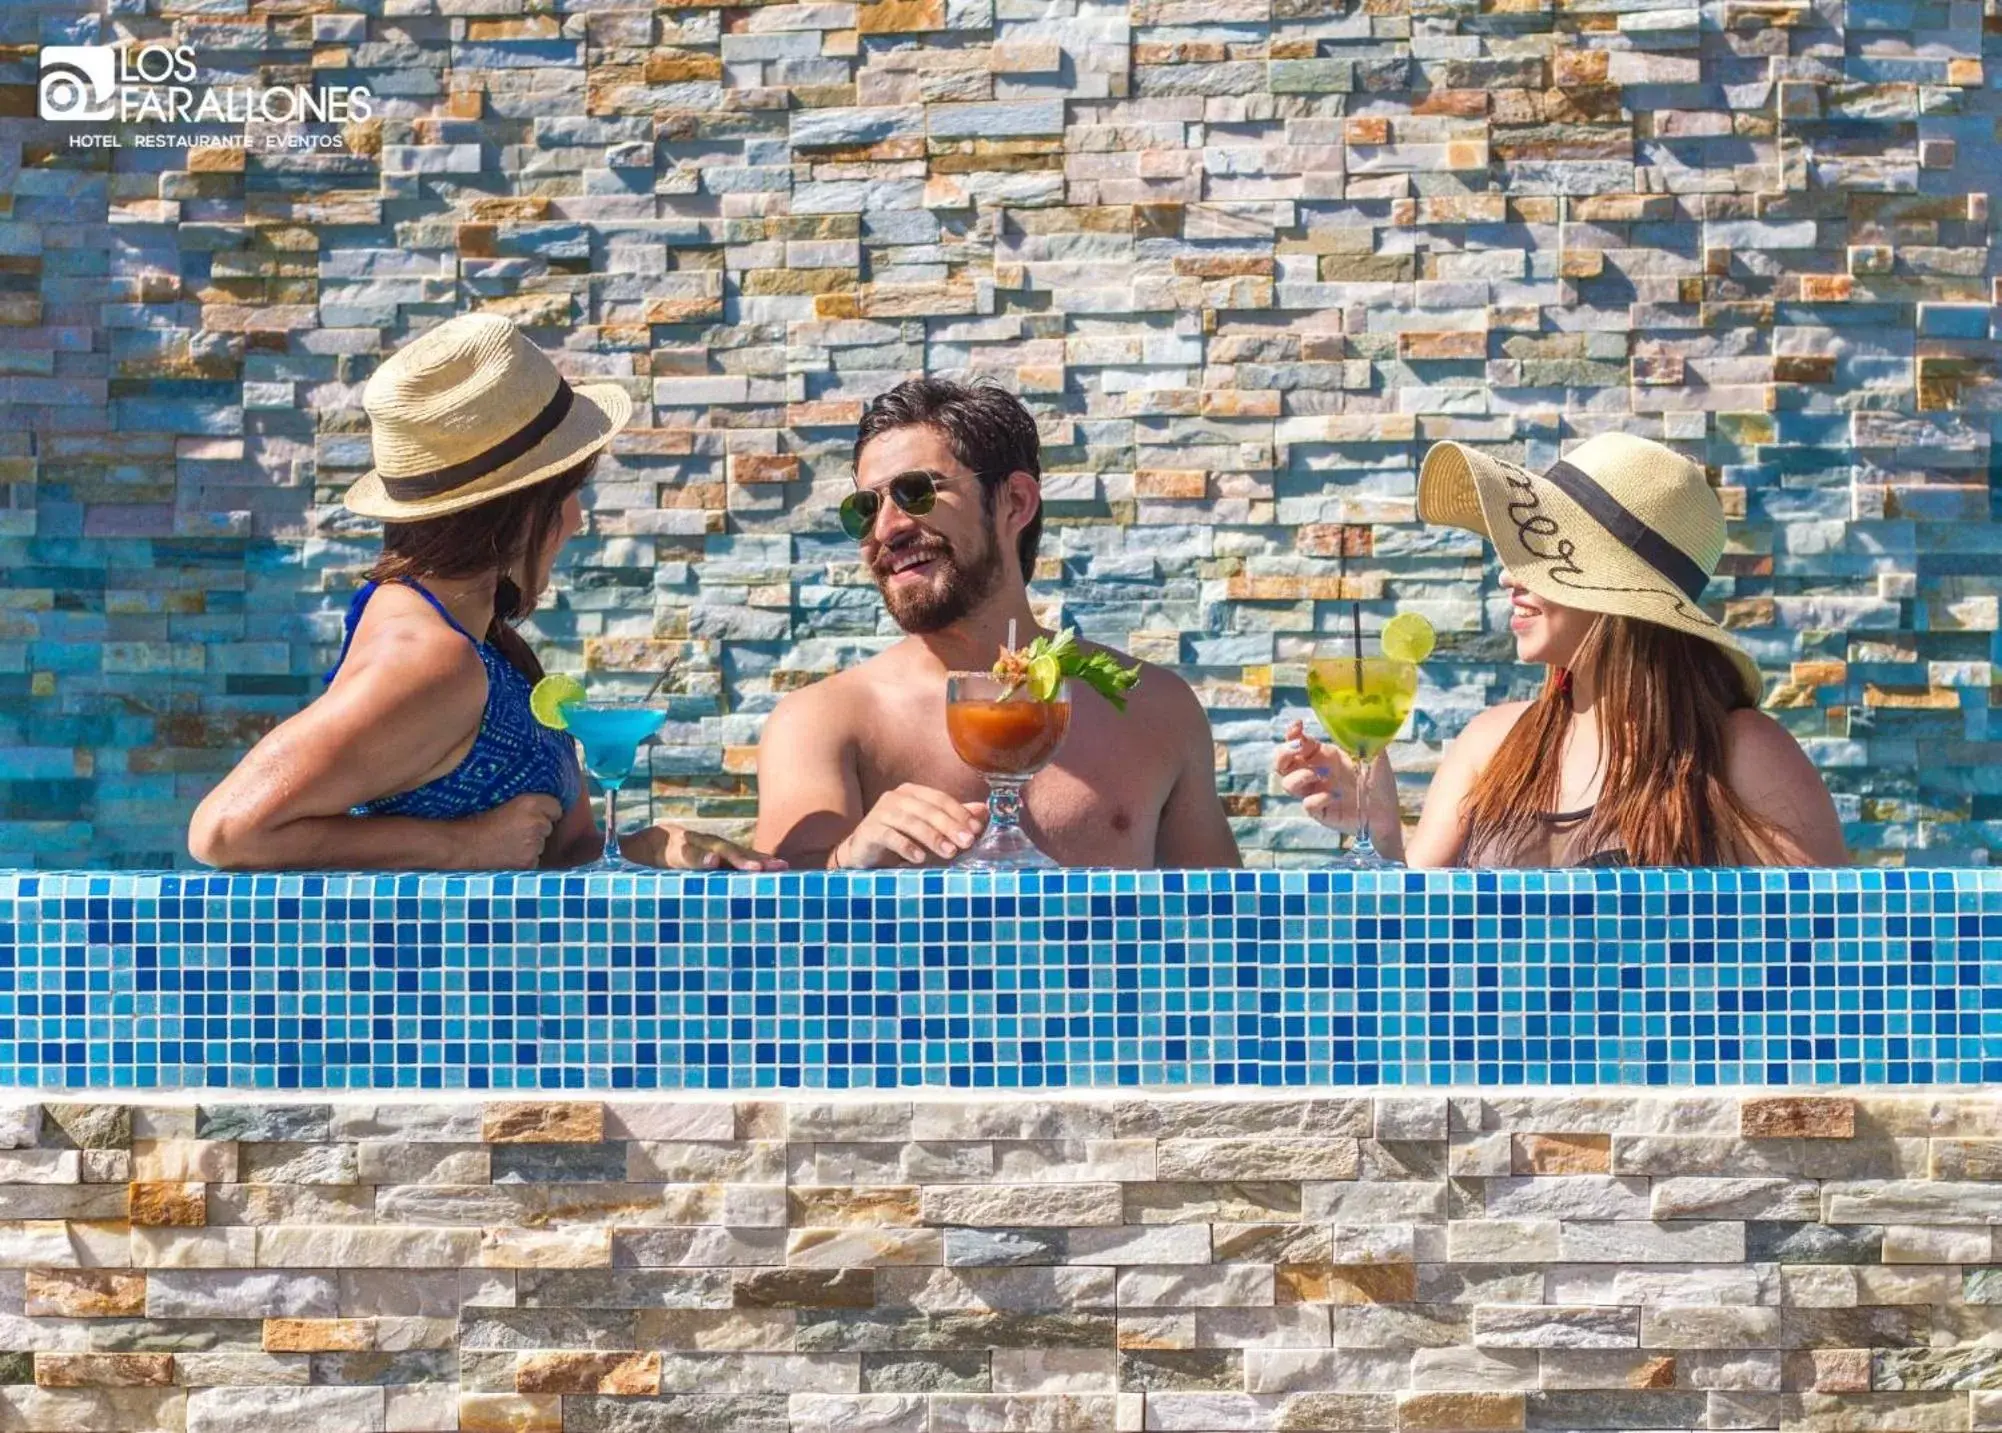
[(857, 770)]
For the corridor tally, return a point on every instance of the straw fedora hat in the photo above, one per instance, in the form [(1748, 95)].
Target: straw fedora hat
[(470, 411), (1621, 525)]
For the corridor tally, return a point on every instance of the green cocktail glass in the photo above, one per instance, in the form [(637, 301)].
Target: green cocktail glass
[(1363, 702)]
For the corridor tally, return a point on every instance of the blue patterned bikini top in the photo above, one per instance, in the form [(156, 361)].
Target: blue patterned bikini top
[(512, 755)]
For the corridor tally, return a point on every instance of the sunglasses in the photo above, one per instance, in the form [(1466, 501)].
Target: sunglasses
[(914, 493)]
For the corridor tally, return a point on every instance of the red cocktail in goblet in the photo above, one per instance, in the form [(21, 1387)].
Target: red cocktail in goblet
[(1007, 736)]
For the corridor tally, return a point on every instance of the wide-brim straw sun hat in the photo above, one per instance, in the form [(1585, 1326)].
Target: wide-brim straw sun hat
[(1620, 525), (471, 411)]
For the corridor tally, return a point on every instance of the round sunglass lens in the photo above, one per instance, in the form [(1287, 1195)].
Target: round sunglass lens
[(915, 495)]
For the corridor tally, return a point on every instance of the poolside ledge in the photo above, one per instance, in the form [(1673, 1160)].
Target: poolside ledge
[(951, 980)]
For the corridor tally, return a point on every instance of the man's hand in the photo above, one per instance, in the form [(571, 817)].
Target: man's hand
[(508, 838), (678, 849), (912, 826)]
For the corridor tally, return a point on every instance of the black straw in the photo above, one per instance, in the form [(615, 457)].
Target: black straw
[(665, 672), (1355, 637)]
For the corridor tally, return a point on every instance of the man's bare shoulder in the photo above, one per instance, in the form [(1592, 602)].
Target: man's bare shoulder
[(1161, 696), (837, 705)]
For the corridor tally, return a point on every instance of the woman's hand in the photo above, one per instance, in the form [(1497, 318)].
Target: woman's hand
[(677, 849), (1325, 779), (511, 837), (1321, 777)]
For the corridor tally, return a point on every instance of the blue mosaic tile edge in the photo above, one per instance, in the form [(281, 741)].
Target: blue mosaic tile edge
[(957, 980)]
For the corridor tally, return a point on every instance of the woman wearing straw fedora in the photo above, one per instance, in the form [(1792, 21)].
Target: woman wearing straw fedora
[(1646, 746), (422, 752)]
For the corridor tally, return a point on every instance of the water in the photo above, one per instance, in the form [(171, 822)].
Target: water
[(611, 737)]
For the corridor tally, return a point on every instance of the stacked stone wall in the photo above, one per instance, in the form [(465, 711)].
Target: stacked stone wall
[(1245, 259), (1148, 1264)]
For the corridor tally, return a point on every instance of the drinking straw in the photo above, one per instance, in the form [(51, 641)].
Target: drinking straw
[(1355, 638), (665, 672), (1011, 634)]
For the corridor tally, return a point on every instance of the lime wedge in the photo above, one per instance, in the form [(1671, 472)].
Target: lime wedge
[(1407, 637), (1046, 674), (551, 695)]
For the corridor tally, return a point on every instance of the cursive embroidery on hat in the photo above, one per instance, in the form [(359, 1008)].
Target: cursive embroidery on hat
[(1525, 511)]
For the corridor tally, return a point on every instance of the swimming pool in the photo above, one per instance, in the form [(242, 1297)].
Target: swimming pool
[(952, 980)]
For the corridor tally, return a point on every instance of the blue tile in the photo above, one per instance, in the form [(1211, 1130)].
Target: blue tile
[(954, 980)]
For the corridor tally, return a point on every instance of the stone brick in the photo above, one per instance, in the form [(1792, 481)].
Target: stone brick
[(161, 1204), (620, 1373), (510, 1413), (1800, 1116), (1004, 1204), (1563, 1154), (533, 1122), (85, 1293), (104, 1370), (297, 1410), (1460, 1411), (317, 1335), (807, 1289)]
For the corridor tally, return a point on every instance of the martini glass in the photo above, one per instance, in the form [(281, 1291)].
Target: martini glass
[(1363, 703), (1007, 736), (611, 734)]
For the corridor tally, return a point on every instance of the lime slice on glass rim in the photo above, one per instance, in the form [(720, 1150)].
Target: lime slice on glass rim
[(1046, 674), (551, 695), (1407, 637)]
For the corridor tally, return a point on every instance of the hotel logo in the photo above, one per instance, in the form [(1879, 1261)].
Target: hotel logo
[(78, 83), (157, 84)]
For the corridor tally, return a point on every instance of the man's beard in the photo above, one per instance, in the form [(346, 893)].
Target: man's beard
[(950, 594)]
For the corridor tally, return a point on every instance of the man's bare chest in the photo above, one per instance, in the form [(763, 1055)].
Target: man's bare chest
[(1098, 803)]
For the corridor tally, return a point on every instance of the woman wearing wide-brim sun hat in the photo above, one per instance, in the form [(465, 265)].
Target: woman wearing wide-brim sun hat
[(422, 753), (1646, 745)]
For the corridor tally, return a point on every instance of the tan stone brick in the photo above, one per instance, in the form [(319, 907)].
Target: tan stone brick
[(835, 1205), (318, 1335), (763, 468), (1170, 483), (85, 1293), (104, 1370), (1829, 1370), (183, 1160), (886, 17), (1557, 1154), (510, 1413), (1319, 1283), (1798, 1117), (620, 1373), (544, 1122), (1460, 1412), (1825, 288)]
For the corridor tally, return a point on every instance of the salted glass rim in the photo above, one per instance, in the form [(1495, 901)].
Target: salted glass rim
[(1064, 681)]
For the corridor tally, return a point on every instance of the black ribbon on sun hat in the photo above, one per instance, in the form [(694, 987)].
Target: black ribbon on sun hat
[(420, 486), (1633, 534)]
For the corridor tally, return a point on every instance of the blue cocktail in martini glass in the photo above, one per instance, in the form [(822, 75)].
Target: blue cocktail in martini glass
[(611, 734)]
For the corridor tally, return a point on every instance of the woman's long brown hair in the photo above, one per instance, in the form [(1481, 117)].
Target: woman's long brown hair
[(1662, 698), (507, 535)]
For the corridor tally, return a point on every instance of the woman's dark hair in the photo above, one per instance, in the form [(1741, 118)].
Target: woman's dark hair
[(508, 534), (987, 428)]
